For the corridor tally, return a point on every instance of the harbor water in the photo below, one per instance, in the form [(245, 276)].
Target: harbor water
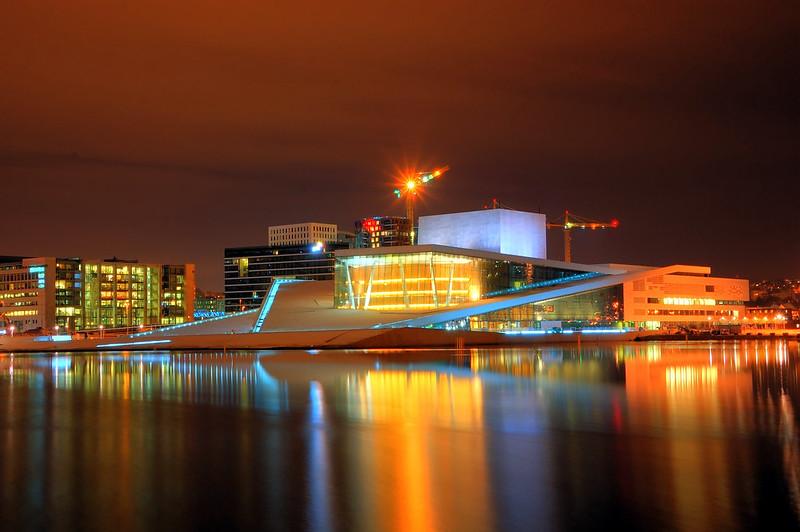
[(657, 436)]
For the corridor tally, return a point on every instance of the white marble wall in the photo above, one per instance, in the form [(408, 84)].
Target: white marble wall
[(496, 230)]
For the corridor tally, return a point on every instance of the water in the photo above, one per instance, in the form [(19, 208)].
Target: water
[(685, 436)]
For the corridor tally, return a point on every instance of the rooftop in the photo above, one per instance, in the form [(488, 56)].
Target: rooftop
[(437, 248)]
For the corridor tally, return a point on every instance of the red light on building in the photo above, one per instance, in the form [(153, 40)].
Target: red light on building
[(371, 225)]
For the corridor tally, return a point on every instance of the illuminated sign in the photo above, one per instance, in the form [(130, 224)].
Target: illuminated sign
[(371, 225)]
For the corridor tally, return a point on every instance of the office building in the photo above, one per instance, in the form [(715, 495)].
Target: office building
[(300, 251), (300, 234), (77, 294), (383, 231), (249, 271), (177, 296), (208, 304)]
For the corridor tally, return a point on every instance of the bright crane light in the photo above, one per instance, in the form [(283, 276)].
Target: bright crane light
[(410, 189)]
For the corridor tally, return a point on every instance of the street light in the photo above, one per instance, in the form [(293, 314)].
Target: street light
[(13, 328)]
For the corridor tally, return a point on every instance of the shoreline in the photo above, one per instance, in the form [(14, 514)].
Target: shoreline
[(398, 338)]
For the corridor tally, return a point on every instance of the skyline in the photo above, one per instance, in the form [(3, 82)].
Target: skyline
[(164, 134)]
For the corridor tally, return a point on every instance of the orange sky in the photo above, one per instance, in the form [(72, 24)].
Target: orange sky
[(167, 131)]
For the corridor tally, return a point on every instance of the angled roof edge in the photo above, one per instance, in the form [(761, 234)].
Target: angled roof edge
[(437, 248), (504, 302)]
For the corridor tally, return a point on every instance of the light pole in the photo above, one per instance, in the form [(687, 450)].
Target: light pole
[(13, 328)]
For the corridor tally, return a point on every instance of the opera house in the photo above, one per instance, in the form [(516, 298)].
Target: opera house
[(482, 276)]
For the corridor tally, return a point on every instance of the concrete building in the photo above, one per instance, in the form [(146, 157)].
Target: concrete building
[(78, 294), (495, 230), (301, 234)]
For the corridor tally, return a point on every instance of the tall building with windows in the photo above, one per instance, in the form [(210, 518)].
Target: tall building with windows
[(383, 231), (299, 251), (177, 297), (249, 271), (76, 294), (302, 233)]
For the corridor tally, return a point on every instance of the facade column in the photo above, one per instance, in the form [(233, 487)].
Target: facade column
[(403, 282), (433, 282), (369, 285), (450, 284), (350, 286)]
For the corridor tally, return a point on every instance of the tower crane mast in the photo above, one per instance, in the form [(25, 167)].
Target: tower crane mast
[(410, 186), (572, 222)]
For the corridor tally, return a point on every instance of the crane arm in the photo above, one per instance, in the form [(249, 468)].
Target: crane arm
[(570, 222)]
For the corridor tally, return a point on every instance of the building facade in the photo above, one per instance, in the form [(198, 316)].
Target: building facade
[(431, 277), (249, 271), (208, 304), (383, 231), (74, 294), (769, 319), (302, 233), (458, 288), (691, 298), (496, 230), (177, 296)]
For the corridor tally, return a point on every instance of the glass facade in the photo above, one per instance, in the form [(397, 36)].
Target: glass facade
[(249, 271), (596, 308), (121, 295), (22, 293), (173, 297), (429, 280), (73, 294), (69, 294)]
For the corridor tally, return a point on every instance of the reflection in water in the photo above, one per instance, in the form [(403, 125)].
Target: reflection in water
[(674, 435)]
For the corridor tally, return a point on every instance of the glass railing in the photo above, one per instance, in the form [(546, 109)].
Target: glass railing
[(544, 284)]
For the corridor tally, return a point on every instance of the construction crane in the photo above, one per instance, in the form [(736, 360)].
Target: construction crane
[(572, 221), (410, 186)]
